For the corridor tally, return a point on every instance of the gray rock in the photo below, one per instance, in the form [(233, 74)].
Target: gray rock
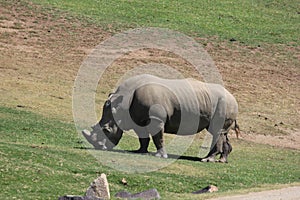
[(210, 188), (146, 195), (72, 197), (99, 188)]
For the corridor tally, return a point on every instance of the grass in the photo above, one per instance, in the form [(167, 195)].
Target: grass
[(42, 158), (250, 22)]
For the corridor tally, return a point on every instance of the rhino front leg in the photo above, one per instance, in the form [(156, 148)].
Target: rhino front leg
[(157, 126), (159, 144), (211, 157), (144, 143)]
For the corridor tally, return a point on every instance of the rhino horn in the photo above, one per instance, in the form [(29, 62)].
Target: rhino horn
[(86, 133)]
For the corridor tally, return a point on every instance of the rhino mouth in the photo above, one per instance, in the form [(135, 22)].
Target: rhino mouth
[(106, 128)]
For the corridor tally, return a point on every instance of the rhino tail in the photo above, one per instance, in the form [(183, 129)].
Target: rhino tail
[(236, 128)]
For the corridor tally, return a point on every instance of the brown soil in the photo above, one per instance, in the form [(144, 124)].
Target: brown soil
[(42, 50), (287, 141), (290, 193)]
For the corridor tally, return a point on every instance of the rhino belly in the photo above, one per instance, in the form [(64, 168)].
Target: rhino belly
[(176, 125)]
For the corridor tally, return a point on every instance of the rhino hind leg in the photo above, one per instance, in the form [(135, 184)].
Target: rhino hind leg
[(159, 142), (211, 157), (227, 148), (221, 147)]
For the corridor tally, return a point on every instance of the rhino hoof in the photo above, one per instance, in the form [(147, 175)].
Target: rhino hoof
[(160, 153), (208, 160), (223, 160)]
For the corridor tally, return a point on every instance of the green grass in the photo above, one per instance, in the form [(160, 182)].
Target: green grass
[(251, 22), (42, 158), (23, 127)]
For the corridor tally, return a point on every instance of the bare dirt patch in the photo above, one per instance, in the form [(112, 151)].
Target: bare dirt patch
[(290, 193), (287, 141), (42, 50)]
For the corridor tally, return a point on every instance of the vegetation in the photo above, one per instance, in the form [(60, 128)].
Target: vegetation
[(43, 157), (250, 22)]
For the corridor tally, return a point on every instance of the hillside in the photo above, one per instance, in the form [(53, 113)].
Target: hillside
[(43, 44)]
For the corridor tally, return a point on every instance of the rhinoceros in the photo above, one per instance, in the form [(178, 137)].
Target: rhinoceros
[(152, 106)]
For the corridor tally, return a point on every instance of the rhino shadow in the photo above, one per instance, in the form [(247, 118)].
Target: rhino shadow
[(170, 156)]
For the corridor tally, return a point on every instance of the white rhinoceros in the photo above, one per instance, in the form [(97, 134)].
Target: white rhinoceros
[(152, 106)]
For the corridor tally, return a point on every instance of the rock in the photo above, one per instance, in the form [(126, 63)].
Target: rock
[(210, 188), (147, 195), (123, 195), (71, 197), (99, 188), (21, 106), (123, 181)]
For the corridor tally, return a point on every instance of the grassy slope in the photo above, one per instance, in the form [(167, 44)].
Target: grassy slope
[(251, 22), (38, 159), (51, 164)]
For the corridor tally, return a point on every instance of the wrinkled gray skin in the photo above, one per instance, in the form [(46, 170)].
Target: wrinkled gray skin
[(152, 106)]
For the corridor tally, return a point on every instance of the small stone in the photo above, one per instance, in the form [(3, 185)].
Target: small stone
[(147, 195), (123, 181), (213, 188), (72, 197), (20, 106), (210, 188), (99, 188), (123, 195)]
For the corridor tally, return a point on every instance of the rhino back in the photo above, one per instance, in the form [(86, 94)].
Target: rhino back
[(188, 102), (187, 105)]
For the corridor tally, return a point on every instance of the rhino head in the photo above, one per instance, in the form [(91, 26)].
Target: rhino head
[(93, 137), (106, 134)]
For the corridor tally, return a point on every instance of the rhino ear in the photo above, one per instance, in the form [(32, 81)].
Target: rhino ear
[(110, 95), (116, 99), (116, 102)]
